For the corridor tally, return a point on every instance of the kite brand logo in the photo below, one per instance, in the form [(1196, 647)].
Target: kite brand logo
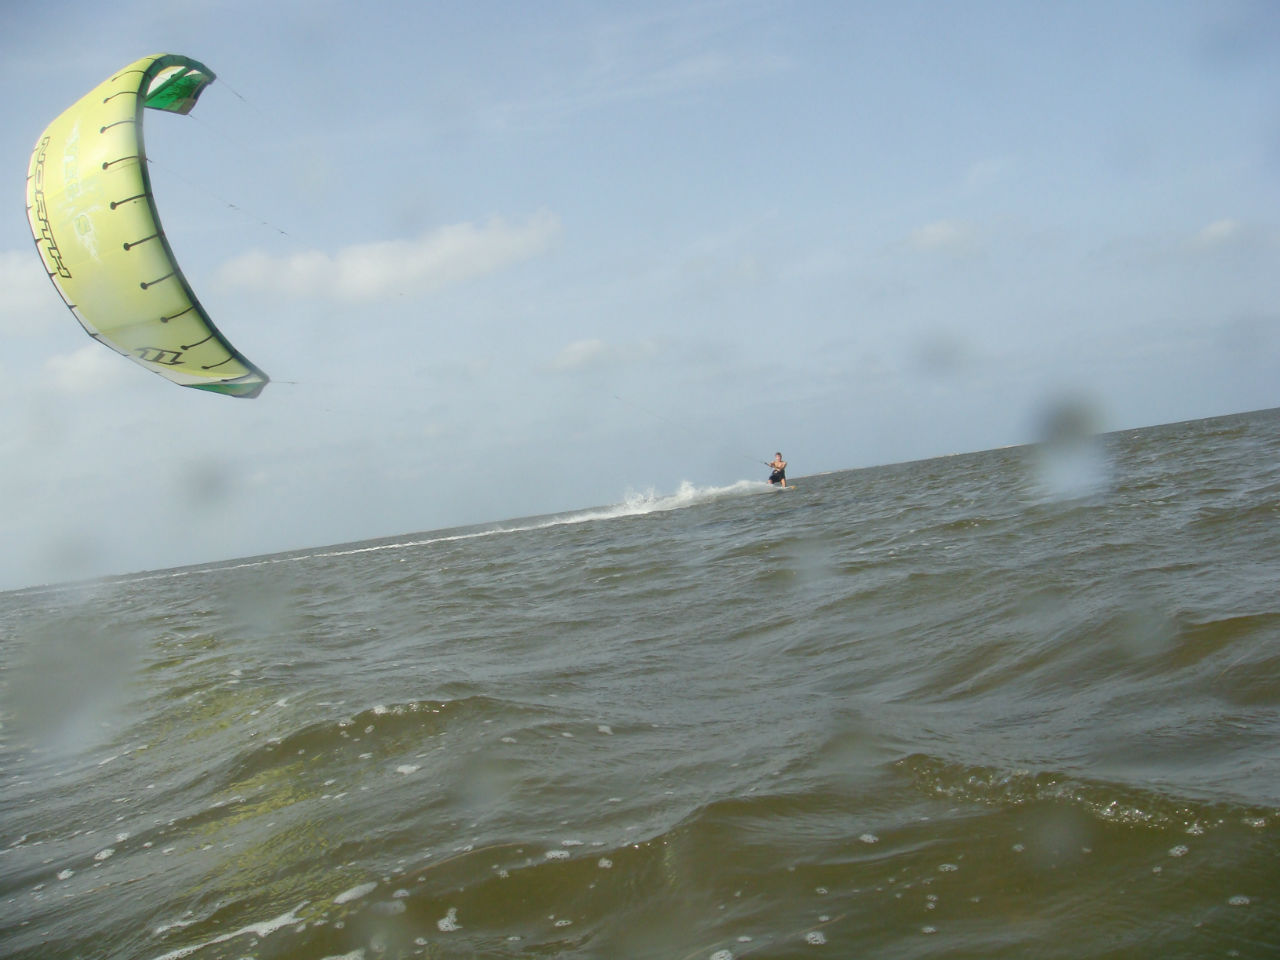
[(42, 217), (169, 358)]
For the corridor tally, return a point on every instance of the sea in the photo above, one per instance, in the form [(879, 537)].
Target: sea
[(1021, 703)]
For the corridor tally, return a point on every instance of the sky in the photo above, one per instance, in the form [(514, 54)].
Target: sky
[(506, 259)]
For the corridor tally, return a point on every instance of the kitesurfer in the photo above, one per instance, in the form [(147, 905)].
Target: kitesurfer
[(779, 467)]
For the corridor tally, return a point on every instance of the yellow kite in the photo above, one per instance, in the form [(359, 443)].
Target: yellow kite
[(96, 228)]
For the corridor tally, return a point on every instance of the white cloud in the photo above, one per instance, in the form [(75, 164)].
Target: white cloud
[(643, 55), (989, 172), (1221, 233), (1242, 243), (944, 236), (580, 354), (91, 367), (438, 259), (28, 301), (594, 353)]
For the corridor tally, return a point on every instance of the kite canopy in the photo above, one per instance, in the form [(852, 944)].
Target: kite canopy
[(96, 228)]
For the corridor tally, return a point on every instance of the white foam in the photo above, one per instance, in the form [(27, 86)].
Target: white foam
[(164, 928), (449, 922), (633, 504), (356, 892), (264, 929)]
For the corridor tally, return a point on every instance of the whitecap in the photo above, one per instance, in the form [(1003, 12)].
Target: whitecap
[(356, 892), (264, 929), (164, 928)]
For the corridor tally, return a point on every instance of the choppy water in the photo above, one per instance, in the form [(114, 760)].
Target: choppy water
[(1005, 704)]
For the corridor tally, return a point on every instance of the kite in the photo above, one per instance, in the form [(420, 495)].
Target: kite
[(98, 234)]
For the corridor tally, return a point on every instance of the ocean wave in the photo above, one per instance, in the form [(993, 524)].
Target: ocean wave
[(1109, 802), (633, 504)]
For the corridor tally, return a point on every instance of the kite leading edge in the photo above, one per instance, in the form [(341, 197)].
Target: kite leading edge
[(97, 231)]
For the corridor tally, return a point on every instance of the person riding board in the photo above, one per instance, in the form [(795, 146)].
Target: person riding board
[(779, 466)]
